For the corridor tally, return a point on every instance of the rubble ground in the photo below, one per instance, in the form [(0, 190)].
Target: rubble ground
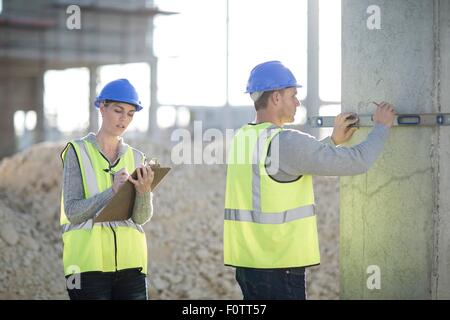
[(184, 236)]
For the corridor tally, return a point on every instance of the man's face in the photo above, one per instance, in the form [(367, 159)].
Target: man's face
[(288, 104)]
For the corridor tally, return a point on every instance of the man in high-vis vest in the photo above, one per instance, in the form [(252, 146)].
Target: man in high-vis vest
[(270, 229)]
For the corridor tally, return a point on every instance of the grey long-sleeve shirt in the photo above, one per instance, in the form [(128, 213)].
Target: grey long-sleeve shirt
[(78, 209), (302, 154)]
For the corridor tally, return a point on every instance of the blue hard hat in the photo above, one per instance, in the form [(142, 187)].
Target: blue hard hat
[(120, 90), (270, 75)]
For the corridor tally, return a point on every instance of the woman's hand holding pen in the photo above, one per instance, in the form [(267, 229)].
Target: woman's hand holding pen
[(120, 177), (143, 183)]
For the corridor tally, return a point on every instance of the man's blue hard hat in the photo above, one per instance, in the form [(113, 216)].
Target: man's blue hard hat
[(120, 90), (270, 75)]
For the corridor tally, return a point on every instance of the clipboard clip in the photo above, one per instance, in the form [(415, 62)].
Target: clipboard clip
[(154, 163)]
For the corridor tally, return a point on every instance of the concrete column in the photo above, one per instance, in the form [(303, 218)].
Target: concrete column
[(40, 116), (153, 128), (394, 218), (227, 117), (441, 276), (8, 137), (93, 112), (312, 102)]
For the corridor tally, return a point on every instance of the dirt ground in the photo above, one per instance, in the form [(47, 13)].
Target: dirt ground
[(184, 236)]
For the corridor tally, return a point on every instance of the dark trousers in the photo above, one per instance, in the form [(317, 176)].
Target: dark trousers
[(272, 284), (128, 284)]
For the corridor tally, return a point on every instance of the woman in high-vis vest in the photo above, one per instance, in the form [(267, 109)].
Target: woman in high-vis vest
[(105, 260)]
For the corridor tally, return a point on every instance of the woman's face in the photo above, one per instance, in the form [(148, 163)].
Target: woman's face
[(116, 117)]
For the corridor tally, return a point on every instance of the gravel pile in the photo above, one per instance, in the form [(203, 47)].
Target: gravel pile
[(184, 236)]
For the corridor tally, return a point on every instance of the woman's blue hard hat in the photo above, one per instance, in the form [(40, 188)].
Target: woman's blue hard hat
[(120, 90)]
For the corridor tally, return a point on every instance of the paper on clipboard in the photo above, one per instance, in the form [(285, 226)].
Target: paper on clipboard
[(120, 207)]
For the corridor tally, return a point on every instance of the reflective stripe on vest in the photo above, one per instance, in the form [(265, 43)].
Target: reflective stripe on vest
[(89, 174), (256, 182), (269, 218), (88, 225), (137, 158)]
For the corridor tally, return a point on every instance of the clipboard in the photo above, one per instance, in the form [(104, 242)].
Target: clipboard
[(120, 207)]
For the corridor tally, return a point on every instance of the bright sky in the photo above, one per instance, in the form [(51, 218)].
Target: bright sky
[(192, 52), (193, 46)]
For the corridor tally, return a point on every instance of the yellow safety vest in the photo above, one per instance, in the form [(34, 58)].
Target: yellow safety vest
[(101, 246), (268, 224)]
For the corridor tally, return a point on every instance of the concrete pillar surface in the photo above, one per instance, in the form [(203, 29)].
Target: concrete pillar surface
[(393, 216)]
